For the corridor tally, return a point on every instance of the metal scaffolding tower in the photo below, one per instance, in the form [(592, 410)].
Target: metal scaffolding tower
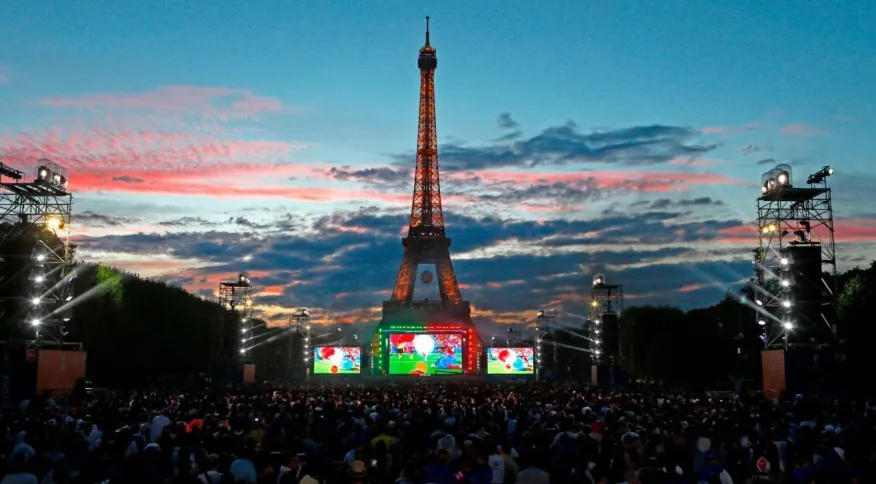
[(35, 220), (795, 263), (606, 305), (237, 296)]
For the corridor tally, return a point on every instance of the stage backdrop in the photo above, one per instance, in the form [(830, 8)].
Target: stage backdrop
[(57, 371)]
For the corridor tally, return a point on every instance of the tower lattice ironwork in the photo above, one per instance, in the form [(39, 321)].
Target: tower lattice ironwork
[(426, 242)]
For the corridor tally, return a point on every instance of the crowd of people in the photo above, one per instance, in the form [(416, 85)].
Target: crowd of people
[(442, 433)]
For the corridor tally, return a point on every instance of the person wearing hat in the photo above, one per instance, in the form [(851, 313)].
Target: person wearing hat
[(357, 472)]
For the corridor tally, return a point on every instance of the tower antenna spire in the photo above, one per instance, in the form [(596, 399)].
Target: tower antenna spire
[(427, 30)]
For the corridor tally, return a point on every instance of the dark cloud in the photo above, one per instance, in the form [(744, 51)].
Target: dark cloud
[(560, 145), (91, 219), (385, 175), (127, 179), (768, 161), (695, 202), (187, 222), (505, 121), (750, 148), (245, 222), (348, 261), (513, 135)]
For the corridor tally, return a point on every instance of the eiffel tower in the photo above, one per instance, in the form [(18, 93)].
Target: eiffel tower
[(427, 243)]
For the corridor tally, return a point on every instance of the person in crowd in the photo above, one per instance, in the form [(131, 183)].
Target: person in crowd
[(438, 432)]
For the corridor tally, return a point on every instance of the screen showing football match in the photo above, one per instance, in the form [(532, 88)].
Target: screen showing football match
[(336, 360), (425, 354), (510, 361)]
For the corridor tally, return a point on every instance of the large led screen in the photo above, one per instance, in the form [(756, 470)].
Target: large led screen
[(425, 354), (510, 361), (336, 360)]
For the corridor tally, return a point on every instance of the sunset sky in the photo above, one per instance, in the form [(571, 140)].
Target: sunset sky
[(624, 137)]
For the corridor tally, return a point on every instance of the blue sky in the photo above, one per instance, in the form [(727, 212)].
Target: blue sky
[(140, 99)]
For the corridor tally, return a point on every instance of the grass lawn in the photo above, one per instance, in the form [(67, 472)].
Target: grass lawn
[(498, 368), (406, 364), (324, 367)]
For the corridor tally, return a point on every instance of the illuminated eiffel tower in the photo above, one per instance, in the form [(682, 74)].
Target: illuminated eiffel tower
[(427, 244)]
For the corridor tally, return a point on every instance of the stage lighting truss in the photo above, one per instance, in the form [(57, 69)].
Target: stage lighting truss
[(237, 296), (46, 205), (50, 294), (542, 320), (604, 299), (302, 326), (788, 216)]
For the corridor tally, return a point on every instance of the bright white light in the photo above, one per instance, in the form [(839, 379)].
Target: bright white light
[(243, 330), (43, 173), (35, 301), (597, 331), (759, 302), (247, 258), (243, 341), (830, 171), (597, 321), (35, 322), (784, 261), (762, 322), (783, 178), (69, 298), (243, 320), (39, 278), (788, 326), (41, 257), (596, 352), (787, 304), (243, 350), (785, 283), (424, 344)]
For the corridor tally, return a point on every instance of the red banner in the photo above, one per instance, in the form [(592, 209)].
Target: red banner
[(249, 373), (57, 371), (773, 363)]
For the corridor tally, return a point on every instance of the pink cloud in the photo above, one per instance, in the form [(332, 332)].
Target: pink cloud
[(177, 163), (801, 129), (715, 130), (221, 102)]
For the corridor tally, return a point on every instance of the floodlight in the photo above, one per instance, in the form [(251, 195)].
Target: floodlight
[(786, 303), (785, 283), (788, 325), (820, 175), (35, 322), (35, 301), (762, 322)]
